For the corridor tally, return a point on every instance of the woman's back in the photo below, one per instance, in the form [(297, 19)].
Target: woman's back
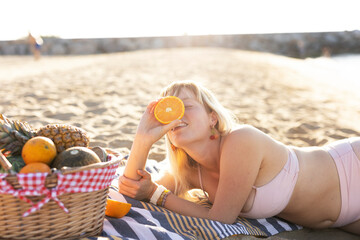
[(317, 190), (317, 180)]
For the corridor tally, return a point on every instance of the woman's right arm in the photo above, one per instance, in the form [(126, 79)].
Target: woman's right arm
[(148, 132), (137, 159)]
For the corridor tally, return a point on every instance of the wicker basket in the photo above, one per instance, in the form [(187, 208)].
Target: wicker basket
[(85, 217)]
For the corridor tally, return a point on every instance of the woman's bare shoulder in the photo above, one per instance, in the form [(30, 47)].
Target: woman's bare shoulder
[(245, 132), (244, 136), (248, 137)]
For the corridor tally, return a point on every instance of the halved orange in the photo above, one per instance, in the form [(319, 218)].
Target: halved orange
[(116, 209), (169, 109)]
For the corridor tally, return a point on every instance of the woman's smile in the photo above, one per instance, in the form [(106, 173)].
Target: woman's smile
[(180, 126)]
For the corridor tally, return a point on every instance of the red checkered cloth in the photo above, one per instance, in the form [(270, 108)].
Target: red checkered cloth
[(33, 184)]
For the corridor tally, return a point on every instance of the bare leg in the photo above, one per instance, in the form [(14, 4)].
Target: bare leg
[(37, 54)]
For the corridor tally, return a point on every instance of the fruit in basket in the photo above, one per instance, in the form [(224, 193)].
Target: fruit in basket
[(35, 167), (75, 157), (116, 209), (14, 134), (101, 152), (39, 149), (65, 136), (169, 109)]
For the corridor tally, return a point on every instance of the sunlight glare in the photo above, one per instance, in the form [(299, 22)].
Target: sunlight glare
[(117, 18)]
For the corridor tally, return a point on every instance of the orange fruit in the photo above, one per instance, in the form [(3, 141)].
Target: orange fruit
[(39, 149), (169, 109), (35, 167), (116, 209)]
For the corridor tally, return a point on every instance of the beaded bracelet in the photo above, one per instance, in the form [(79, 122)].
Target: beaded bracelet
[(167, 193), (161, 198)]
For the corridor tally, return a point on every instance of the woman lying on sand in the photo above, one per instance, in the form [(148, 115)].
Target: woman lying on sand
[(243, 171)]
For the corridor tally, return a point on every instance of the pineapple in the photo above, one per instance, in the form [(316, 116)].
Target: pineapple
[(14, 134)]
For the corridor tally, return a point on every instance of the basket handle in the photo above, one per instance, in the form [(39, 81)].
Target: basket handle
[(68, 170), (6, 164)]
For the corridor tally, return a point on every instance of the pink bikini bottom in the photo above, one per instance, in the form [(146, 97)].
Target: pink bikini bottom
[(348, 167)]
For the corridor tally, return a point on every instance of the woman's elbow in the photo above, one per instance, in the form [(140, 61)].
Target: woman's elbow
[(222, 218), (227, 220)]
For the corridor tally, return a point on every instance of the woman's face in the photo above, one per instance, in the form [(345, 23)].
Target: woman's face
[(195, 124)]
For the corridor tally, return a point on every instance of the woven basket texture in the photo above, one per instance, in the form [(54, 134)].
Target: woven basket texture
[(85, 217)]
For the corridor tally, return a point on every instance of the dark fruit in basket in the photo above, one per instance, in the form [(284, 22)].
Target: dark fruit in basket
[(75, 157), (101, 152)]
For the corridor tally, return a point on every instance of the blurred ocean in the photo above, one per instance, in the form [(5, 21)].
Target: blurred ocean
[(344, 69), (349, 68)]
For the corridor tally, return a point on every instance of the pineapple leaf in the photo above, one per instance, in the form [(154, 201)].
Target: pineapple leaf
[(17, 162)]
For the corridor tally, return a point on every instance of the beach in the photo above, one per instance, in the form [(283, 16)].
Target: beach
[(292, 100)]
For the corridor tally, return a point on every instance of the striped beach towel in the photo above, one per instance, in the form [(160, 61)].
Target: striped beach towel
[(147, 221)]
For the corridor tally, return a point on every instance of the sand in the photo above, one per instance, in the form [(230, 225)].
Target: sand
[(106, 95)]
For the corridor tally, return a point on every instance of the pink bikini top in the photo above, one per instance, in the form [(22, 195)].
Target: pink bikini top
[(272, 198)]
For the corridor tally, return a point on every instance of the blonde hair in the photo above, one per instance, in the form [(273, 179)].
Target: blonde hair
[(180, 162)]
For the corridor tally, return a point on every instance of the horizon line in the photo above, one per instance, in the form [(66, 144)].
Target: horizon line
[(183, 35)]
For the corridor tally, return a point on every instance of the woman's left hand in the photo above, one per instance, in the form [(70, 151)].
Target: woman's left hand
[(141, 189)]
